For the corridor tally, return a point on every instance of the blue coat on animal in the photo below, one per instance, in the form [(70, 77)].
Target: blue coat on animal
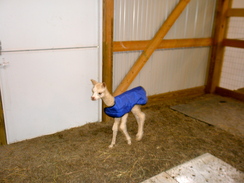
[(126, 101)]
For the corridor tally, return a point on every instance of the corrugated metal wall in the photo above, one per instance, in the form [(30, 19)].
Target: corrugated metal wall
[(171, 69)]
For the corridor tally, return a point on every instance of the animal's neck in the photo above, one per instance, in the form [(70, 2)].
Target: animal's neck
[(108, 99)]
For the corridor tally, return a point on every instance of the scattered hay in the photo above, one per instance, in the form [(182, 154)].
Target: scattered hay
[(82, 154)]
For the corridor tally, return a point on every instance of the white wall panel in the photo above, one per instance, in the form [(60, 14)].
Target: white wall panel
[(52, 49), (166, 70), (140, 19), (59, 18)]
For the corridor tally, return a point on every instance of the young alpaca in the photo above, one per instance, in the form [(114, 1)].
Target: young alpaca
[(120, 106)]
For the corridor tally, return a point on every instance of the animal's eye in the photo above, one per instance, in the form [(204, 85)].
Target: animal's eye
[(99, 93)]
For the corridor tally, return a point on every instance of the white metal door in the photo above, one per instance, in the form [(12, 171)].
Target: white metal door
[(50, 51)]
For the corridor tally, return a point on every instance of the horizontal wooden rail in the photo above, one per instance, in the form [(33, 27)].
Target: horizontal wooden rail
[(165, 44), (233, 43), (229, 93), (196, 91), (235, 12)]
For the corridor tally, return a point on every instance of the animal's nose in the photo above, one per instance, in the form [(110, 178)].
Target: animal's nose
[(93, 98)]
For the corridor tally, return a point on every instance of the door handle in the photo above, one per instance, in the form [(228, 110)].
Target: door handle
[(4, 64)]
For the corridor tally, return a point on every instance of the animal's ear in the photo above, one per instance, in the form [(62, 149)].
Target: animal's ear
[(94, 82), (104, 85)]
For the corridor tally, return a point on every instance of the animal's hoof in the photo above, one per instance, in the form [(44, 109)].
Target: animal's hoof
[(111, 146), (129, 142), (138, 137)]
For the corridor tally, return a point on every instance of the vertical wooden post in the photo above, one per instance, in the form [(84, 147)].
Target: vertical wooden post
[(216, 60), (3, 140), (153, 44), (108, 14)]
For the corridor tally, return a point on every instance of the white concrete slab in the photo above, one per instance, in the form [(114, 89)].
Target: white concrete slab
[(161, 178), (203, 169)]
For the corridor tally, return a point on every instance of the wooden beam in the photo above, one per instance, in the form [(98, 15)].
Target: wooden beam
[(3, 139), (190, 92), (153, 44), (165, 44), (216, 60), (229, 93), (235, 12), (107, 75), (233, 43)]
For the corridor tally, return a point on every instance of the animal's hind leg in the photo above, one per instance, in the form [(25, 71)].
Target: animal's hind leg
[(140, 118), (123, 128), (115, 131)]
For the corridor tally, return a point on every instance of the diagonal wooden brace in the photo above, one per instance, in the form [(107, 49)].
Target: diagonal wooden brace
[(153, 44)]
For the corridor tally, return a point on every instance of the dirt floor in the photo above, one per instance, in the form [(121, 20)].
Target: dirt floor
[(82, 154)]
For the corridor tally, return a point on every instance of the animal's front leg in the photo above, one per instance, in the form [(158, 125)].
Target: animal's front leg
[(115, 131)]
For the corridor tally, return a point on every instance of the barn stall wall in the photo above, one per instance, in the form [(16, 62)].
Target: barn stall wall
[(46, 66), (232, 75), (167, 69), (226, 64)]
